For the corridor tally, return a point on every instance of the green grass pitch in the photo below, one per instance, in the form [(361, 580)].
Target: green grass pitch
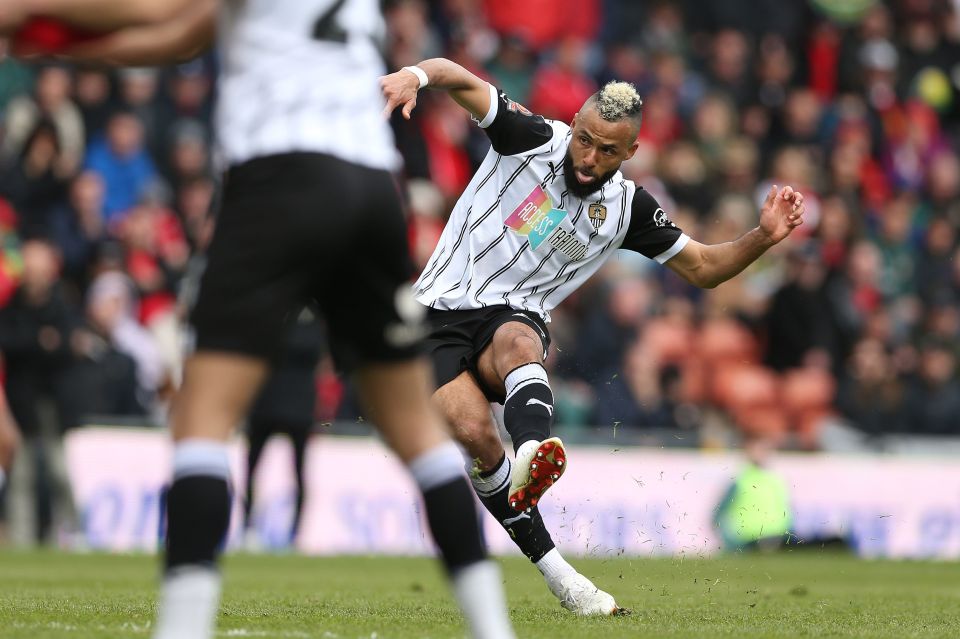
[(798, 594)]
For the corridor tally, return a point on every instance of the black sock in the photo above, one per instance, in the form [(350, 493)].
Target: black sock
[(528, 407), (450, 508), (198, 514), (527, 530), (198, 503)]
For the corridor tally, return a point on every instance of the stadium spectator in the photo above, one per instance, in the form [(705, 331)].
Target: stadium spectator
[(635, 398), (34, 184), (932, 399), (797, 330), (51, 102), (559, 88), (93, 94), (111, 313), (78, 227), (123, 161), (870, 394), (35, 329)]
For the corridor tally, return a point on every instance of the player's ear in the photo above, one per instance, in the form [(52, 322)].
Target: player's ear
[(632, 149), (573, 122)]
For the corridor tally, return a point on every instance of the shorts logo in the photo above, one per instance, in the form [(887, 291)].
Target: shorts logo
[(597, 214), (517, 107), (411, 327), (535, 218)]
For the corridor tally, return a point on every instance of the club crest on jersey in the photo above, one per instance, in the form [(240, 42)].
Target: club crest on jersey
[(537, 220), (597, 214)]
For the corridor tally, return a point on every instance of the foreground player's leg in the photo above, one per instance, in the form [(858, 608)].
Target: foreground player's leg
[(396, 397), (216, 392), (466, 408)]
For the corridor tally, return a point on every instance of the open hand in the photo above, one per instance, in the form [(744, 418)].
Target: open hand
[(398, 89), (781, 213)]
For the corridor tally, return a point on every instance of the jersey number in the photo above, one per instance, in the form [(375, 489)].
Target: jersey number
[(326, 28)]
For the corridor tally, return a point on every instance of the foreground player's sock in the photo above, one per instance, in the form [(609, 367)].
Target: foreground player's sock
[(198, 514), (486, 615), (528, 407), (526, 529), (456, 531), (3, 478)]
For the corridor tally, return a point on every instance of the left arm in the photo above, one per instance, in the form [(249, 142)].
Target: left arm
[(708, 265)]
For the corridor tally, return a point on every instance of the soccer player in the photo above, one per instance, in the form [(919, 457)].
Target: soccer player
[(547, 207), (310, 211)]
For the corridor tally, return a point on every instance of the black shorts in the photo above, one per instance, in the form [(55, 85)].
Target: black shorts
[(307, 226), (457, 338)]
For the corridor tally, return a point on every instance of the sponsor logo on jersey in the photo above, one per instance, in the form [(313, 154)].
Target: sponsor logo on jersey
[(537, 220)]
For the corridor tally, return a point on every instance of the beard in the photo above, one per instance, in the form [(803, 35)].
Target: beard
[(579, 190)]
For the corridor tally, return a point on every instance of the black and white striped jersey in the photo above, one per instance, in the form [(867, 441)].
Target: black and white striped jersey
[(517, 237), (303, 75)]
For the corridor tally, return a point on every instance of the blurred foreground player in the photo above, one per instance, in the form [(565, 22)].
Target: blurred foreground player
[(547, 207), (309, 211)]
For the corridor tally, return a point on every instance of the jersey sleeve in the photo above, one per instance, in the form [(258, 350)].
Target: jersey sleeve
[(512, 128), (651, 232)]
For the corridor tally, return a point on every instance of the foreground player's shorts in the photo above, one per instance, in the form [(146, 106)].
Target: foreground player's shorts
[(307, 226)]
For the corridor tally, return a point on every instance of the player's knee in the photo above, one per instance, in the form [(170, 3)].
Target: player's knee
[(518, 349), (480, 439)]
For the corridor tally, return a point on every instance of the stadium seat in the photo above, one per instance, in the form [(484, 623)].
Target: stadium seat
[(750, 394), (807, 395)]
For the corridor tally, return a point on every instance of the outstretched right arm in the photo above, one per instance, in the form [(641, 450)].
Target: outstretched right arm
[(470, 92), (512, 129)]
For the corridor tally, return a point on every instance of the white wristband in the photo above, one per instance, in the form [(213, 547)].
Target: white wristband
[(420, 73)]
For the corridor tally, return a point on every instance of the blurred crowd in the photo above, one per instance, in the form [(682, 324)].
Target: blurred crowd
[(108, 179)]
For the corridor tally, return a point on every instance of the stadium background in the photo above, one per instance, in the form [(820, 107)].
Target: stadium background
[(839, 345)]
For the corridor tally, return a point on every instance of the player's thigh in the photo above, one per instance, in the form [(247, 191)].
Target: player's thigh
[(467, 411), (217, 390), (396, 396), (514, 344)]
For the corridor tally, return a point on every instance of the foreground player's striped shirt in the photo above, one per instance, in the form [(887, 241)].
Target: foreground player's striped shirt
[(303, 75), (517, 237)]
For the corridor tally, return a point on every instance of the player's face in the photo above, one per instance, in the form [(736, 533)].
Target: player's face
[(596, 151)]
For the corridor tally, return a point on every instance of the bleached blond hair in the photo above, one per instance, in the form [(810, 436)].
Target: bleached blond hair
[(616, 101)]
